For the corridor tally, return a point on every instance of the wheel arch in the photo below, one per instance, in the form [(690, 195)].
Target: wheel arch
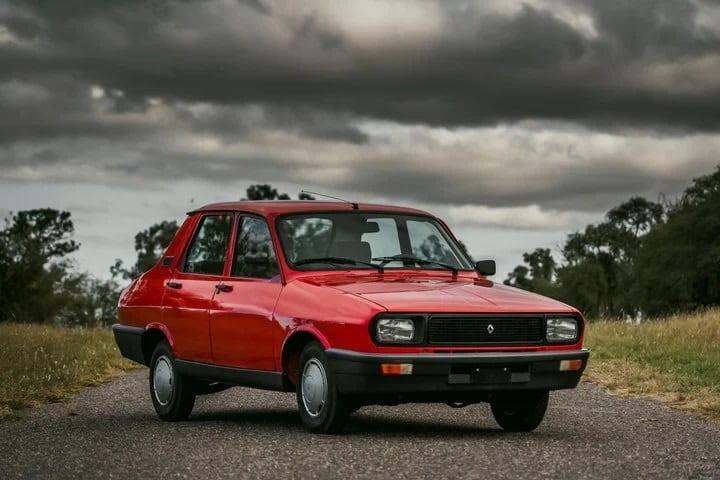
[(154, 334), (293, 347)]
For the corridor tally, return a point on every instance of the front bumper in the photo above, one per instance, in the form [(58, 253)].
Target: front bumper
[(453, 376)]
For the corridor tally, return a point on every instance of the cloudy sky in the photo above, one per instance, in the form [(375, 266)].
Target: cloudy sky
[(516, 121)]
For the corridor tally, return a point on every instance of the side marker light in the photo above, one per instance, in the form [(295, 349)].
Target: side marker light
[(570, 365)]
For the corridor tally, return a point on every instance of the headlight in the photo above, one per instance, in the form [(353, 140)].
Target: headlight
[(561, 330), (395, 330)]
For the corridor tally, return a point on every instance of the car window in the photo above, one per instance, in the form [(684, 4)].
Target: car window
[(365, 237), (306, 237), (427, 243), (386, 241), (207, 251), (254, 253)]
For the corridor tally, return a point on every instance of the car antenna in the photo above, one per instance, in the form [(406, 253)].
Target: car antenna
[(354, 205)]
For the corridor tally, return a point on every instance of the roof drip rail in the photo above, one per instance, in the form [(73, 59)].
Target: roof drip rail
[(353, 204)]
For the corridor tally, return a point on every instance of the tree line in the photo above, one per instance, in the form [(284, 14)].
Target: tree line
[(40, 283), (645, 259)]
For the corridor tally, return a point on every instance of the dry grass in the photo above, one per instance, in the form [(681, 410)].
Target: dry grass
[(42, 364), (674, 360)]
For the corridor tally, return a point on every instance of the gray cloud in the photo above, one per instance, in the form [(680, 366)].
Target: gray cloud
[(564, 105), (485, 67)]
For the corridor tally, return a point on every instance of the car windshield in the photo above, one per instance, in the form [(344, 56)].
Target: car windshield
[(365, 240)]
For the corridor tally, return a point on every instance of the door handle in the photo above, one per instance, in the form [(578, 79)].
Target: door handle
[(221, 287), (175, 285)]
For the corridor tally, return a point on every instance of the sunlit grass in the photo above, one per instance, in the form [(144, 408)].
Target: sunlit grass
[(42, 364), (676, 360)]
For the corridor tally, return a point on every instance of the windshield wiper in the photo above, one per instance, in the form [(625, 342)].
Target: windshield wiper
[(339, 261), (419, 261)]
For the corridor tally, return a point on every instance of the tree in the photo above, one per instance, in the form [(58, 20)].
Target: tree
[(267, 192), (33, 264), (597, 272), (305, 196), (152, 242), (264, 192), (678, 266), (537, 274), (149, 245)]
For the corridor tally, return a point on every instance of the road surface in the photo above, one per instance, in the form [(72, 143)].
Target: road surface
[(112, 432)]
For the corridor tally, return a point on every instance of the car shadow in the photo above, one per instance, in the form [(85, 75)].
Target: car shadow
[(283, 419), (359, 424)]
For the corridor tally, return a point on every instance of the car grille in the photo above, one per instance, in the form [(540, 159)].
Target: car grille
[(475, 330)]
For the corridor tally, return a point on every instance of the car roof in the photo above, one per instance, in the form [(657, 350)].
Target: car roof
[(279, 207)]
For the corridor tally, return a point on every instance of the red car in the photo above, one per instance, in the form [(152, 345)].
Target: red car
[(347, 305)]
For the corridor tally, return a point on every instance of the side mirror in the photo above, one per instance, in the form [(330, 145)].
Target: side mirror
[(485, 267)]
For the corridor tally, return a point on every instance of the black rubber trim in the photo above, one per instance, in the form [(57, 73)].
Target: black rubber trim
[(266, 380), (443, 375), (129, 341), (471, 357)]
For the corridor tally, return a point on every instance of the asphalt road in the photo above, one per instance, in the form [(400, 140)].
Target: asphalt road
[(112, 432)]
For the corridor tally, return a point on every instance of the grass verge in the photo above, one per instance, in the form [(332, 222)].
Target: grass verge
[(42, 364), (674, 360)]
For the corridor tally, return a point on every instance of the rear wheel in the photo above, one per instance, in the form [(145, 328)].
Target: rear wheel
[(172, 394), (322, 408), (520, 411)]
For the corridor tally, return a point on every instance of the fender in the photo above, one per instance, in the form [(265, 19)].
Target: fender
[(305, 328), (165, 331)]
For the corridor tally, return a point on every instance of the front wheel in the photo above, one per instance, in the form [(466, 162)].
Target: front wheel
[(520, 411), (172, 394), (322, 408)]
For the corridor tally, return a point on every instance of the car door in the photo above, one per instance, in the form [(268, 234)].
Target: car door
[(188, 294), (241, 313)]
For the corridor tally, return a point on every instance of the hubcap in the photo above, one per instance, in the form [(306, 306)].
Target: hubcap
[(314, 387), (163, 380)]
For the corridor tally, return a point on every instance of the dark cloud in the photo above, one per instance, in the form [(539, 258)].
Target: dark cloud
[(234, 122), (428, 101), (484, 68)]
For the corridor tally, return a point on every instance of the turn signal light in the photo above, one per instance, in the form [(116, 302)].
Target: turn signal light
[(570, 365), (396, 368)]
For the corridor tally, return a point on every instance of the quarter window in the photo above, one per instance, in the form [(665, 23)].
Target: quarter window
[(207, 251)]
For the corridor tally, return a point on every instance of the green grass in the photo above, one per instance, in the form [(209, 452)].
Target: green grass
[(43, 364), (676, 360)]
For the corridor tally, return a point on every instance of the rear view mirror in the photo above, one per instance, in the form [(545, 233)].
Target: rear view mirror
[(371, 227), (485, 267)]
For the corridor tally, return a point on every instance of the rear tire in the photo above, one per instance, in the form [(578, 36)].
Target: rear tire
[(322, 408), (520, 411), (171, 393)]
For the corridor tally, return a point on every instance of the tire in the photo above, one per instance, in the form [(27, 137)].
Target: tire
[(322, 408), (171, 393), (520, 411)]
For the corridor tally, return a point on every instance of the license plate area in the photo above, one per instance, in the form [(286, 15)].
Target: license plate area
[(488, 375)]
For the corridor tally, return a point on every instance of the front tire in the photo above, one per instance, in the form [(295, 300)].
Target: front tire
[(322, 408), (520, 411), (171, 393)]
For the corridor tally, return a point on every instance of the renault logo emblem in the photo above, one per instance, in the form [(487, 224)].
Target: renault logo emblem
[(490, 329)]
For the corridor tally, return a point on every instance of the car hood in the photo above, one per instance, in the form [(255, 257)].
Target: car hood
[(414, 293)]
